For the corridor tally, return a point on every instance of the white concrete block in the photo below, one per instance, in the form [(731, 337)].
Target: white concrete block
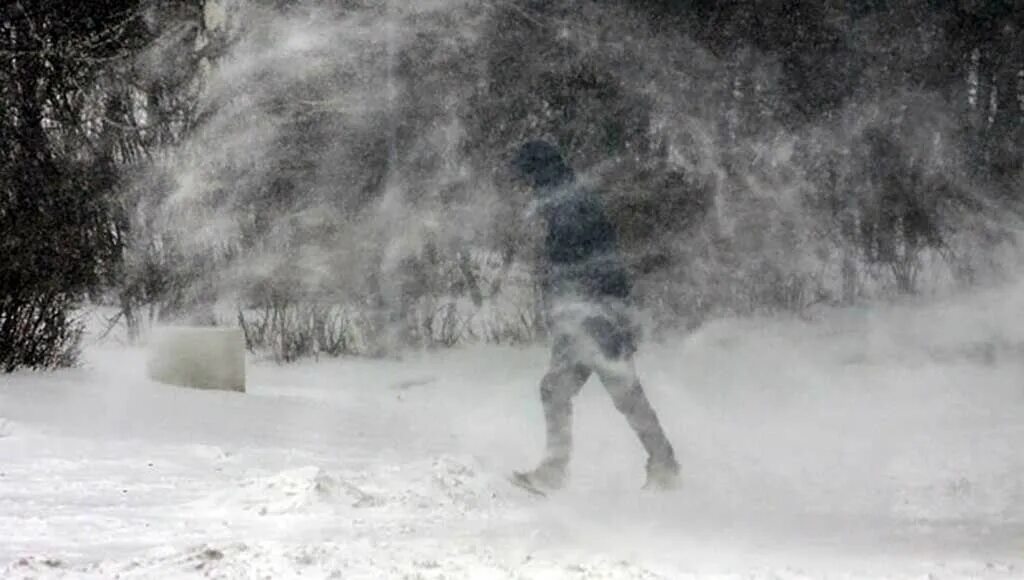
[(199, 357)]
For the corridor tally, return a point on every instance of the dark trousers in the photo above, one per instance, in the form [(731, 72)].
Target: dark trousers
[(604, 346)]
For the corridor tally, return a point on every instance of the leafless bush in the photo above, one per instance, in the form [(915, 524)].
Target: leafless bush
[(38, 332), (289, 331)]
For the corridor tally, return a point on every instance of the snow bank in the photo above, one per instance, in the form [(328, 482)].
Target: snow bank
[(861, 443)]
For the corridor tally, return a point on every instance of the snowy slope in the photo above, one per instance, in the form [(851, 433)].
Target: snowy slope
[(879, 443)]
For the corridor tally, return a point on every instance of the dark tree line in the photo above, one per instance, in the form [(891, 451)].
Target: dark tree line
[(69, 133), (905, 117), (756, 155)]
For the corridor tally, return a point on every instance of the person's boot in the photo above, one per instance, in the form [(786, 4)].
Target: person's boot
[(662, 475), (545, 478)]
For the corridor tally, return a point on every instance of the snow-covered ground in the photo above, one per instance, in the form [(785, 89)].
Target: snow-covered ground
[(872, 443)]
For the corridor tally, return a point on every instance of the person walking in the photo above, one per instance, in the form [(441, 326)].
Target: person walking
[(586, 292)]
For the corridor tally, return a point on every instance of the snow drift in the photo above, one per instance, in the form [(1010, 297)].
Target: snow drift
[(877, 442)]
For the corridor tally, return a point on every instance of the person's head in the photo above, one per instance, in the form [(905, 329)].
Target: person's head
[(541, 165)]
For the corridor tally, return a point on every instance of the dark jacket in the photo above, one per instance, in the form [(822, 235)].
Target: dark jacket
[(581, 246)]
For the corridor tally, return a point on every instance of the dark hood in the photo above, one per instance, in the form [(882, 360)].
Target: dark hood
[(541, 164)]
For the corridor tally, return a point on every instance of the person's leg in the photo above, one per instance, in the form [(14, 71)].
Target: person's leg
[(562, 382), (617, 371)]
